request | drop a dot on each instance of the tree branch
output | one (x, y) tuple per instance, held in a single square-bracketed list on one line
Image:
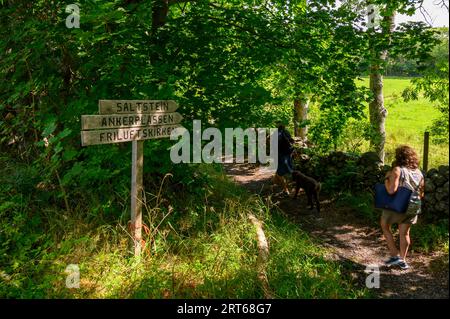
[(426, 15), (249, 31), (442, 4), (171, 2)]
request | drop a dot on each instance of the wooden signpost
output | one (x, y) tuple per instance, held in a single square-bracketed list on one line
[(426, 146), (131, 121)]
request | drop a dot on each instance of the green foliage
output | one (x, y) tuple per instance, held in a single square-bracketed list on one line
[(354, 136), (429, 237), (297, 271), (319, 63), (362, 203), (332, 127), (262, 58), (434, 86), (198, 245), (231, 64)]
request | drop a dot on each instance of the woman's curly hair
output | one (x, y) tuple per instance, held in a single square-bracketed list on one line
[(406, 156)]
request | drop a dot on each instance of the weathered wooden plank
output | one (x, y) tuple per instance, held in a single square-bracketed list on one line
[(90, 122), (126, 134), (137, 168), (263, 256), (136, 106)]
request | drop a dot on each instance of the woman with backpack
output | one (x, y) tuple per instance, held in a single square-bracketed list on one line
[(405, 172)]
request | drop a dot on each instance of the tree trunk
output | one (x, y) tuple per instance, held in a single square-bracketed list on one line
[(301, 106), (159, 14), (377, 111)]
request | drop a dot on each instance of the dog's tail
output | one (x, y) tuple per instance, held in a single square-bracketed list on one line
[(318, 187)]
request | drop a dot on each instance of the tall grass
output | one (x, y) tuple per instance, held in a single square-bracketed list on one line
[(199, 243)]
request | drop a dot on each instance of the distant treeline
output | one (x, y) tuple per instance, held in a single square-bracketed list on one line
[(404, 67)]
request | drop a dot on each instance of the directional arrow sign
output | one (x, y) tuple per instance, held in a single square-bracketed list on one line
[(89, 122), (126, 134), (136, 106)]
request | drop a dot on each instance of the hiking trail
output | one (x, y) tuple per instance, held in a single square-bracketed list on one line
[(352, 241)]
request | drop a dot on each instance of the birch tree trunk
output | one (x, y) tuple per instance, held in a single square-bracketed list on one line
[(301, 106), (377, 111)]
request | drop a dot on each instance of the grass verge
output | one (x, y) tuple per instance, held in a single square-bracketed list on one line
[(198, 244)]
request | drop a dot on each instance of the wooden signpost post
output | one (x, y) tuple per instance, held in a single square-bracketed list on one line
[(131, 121), (426, 146)]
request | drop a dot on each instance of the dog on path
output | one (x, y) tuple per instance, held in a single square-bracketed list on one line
[(311, 187)]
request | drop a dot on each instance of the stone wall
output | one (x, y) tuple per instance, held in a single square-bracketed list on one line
[(339, 170), (436, 193)]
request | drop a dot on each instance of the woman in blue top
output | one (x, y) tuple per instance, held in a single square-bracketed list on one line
[(405, 172), (285, 165)]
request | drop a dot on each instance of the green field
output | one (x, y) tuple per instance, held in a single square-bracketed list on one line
[(407, 121)]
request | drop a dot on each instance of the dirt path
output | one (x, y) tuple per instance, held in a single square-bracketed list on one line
[(353, 242)]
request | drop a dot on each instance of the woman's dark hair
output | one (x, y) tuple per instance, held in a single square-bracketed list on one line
[(406, 156), (280, 125)]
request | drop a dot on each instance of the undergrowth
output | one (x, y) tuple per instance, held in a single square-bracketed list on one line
[(199, 243)]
